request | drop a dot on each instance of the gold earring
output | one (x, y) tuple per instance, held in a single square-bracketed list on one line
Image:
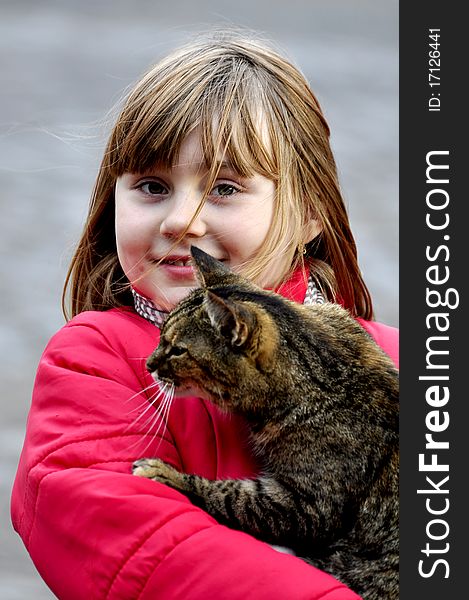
[(301, 249)]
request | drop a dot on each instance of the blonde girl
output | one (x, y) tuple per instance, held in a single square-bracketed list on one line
[(222, 144)]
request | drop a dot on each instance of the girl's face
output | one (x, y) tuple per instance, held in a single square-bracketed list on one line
[(153, 210)]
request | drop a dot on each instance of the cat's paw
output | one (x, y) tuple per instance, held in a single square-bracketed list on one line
[(156, 469)]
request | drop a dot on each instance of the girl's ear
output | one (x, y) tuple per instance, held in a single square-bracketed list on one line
[(312, 229), (209, 270), (232, 320)]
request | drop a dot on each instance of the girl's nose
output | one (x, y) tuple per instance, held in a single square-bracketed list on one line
[(180, 220)]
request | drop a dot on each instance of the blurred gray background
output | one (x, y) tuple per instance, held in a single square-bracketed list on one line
[(64, 64)]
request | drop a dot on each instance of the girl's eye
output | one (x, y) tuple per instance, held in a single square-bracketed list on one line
[(224, 189), (152, 188)]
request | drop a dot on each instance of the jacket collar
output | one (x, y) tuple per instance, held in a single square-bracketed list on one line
[(299, 288), (296, 287)]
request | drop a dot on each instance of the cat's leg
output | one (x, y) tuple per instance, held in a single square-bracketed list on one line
[(262, 506)]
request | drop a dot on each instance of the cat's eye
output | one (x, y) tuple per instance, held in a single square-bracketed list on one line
[(177, 351)]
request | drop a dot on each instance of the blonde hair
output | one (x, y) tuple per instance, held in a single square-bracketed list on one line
[(254, 109)]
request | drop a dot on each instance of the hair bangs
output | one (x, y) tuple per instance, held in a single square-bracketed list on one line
[(239, 134), (224, 100), (150, 139)]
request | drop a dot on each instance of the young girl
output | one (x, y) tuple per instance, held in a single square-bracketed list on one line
[(222, 145)]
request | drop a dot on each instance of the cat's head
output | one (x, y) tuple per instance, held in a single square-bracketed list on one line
[(219, 342)]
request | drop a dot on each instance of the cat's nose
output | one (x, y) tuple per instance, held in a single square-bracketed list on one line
[(152, 363)]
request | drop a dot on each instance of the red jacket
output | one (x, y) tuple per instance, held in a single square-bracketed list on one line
[(95, 531)]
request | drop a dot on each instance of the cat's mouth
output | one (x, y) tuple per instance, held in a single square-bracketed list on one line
[(192, 391), (187, 390), (161, 379)]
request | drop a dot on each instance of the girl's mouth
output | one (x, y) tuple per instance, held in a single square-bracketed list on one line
[(178, 268), (183, 261), (179, 261)]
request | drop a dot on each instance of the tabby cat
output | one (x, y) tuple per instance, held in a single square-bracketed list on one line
[(321, 399)]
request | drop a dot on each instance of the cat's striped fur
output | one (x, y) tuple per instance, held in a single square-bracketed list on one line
[(321, 399)]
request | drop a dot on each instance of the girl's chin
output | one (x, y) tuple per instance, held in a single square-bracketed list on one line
[(171, 298)]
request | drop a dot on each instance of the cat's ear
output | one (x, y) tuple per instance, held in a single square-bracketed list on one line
[(234, 321), (209, 270)]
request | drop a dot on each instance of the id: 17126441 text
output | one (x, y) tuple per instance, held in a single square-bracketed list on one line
[(434, 67)]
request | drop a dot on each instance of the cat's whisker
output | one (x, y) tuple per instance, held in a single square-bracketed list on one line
[(165, 418), (150, 402), (163, 410), (143, 391), (153, 418), (159, 409), (140, 406), (165, 397), (162, 416)]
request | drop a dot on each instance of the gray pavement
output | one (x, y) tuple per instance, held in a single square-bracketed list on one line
[(64, 64)]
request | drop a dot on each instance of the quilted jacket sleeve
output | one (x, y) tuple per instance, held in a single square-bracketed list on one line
[(385, 336), (95, 531)]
